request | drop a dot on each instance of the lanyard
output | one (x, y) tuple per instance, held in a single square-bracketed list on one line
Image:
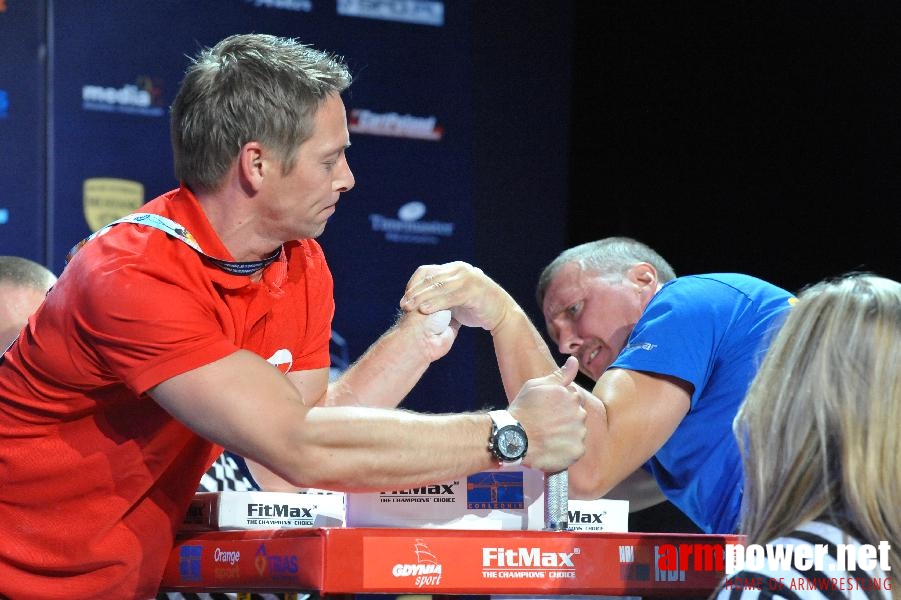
[(177, 231)]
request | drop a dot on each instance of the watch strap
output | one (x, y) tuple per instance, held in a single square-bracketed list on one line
[(502, 418)]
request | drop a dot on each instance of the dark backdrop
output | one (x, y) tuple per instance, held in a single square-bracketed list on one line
[(740, 136)]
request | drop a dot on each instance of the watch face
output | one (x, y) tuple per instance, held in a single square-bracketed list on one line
[(511, 443)]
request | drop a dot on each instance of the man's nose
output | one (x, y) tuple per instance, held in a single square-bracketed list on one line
[(568, 341), (345, 181)]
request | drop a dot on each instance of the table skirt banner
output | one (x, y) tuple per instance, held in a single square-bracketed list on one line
[(447, 561)]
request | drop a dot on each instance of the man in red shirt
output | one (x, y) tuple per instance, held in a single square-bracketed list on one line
[(203, 322)]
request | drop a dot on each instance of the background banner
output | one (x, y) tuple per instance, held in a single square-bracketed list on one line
[(423, 113)]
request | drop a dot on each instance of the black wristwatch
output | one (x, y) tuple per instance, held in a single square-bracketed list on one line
[(508, 441)]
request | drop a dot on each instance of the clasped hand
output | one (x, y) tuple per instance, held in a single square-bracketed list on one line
[(550, 410), (475, 299)]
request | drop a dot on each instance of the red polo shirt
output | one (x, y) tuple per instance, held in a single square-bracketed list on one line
[(95, 477)]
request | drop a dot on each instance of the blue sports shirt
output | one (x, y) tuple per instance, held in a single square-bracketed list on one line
[(711, 331)]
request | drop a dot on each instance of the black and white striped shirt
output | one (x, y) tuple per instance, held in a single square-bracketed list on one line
[(779, 580)]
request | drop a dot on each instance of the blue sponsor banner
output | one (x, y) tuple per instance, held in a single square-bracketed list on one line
[(410, 122), (23, 202), (423, 125), (114, 77)]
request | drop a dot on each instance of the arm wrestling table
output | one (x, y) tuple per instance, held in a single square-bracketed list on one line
[(446, 561)]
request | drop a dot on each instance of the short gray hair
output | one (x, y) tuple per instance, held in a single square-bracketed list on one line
[(607, 256), (26, 273)]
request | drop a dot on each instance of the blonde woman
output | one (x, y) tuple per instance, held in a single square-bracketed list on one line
[(819, 438)]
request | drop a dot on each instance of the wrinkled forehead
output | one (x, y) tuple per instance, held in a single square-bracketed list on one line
[(569, 283), (573, 284)]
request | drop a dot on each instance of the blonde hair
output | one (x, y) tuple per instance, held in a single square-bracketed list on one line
[(819, 427)]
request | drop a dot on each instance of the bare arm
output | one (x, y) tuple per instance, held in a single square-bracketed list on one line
[(478, 301), (244, 404), (389, 369), (630, 416), (382, 377)]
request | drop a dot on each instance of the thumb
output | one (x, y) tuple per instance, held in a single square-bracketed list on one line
[(567, 372)]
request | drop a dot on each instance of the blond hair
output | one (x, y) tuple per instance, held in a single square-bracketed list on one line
[(819, 427)]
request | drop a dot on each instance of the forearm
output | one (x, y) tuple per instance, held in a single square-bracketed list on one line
[(380, 378), (592, 475), (520, 350), (386, 372), (267, 480), (630, 416), (362, 449)]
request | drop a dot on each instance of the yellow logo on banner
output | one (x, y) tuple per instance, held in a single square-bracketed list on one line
[(107, 199)]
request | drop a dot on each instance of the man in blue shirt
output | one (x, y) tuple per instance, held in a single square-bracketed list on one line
[(672, 358)]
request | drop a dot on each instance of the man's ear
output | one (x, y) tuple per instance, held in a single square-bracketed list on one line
[(643, 275), (251, 164)]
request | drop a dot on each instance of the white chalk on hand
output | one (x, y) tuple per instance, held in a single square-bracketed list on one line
[(437, 322)]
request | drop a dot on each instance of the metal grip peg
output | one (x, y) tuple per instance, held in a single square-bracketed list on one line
[(556, 501)]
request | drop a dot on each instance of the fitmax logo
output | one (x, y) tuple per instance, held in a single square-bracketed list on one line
[(279, 510), (526, 557), (577, 516), (430, 490)]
